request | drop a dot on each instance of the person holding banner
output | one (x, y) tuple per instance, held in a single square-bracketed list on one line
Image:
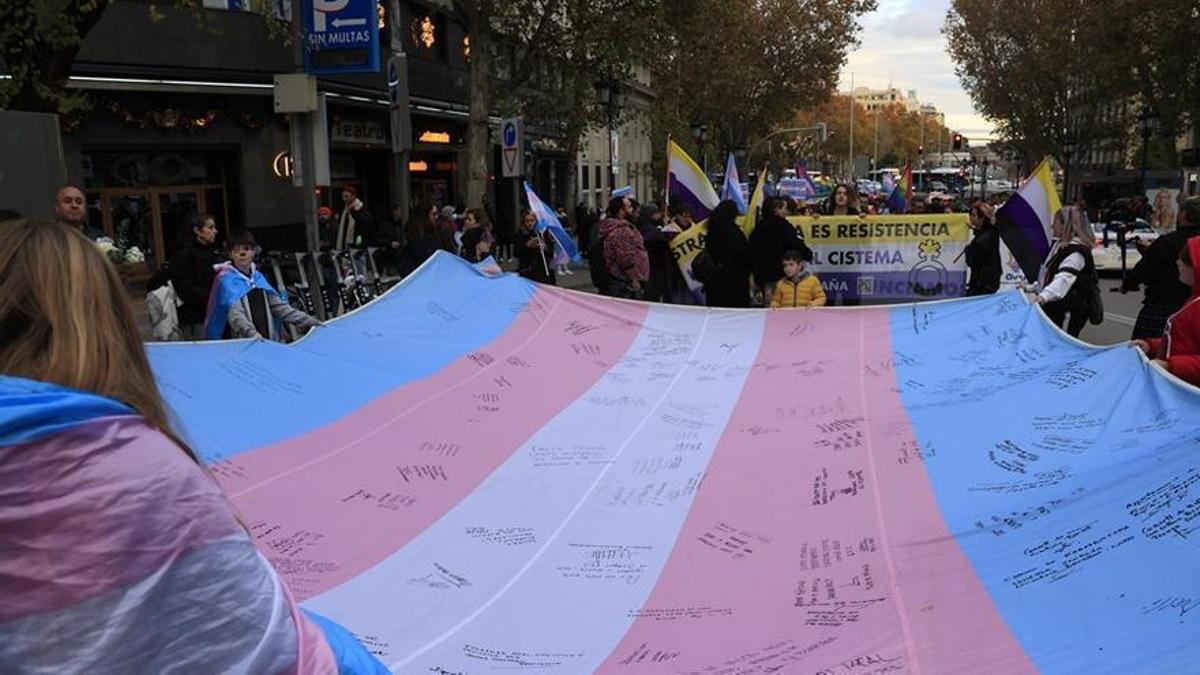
[(983, 253), (730, 253), (534, 251), (772, 237), (842, 202), (1068, 271), (1178, 350)]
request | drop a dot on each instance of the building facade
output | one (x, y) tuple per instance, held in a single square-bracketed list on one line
[(182, 120), (878, 99), (630, 143)]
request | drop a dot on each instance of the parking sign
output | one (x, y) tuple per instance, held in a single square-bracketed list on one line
[(341, 36)]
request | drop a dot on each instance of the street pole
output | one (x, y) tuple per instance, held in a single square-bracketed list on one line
[(400, 114), (851, 157), (875, 152), (304, 123), (612, 174), (1145, 156)]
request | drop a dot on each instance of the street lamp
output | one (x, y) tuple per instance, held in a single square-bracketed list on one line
[(609, 95), (1148, 123), (1069, 154)]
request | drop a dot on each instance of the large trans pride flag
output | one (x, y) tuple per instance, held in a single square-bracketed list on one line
[(481, 475)]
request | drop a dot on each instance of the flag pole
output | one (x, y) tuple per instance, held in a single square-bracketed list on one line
[(542, 250), (667, 183)]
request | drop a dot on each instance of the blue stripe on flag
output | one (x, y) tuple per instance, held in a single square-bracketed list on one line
[(548, 220)]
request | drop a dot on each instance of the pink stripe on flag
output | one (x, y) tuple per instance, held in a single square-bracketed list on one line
[(375, 479), (789, 558), (95, 508)]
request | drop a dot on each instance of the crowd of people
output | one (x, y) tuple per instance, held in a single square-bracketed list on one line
[(71, 356), (221, 293)]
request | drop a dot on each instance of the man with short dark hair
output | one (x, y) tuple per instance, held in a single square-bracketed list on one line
[(1165, 293), (70, 208)]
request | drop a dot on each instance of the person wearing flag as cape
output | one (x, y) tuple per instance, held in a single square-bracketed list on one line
[(243, 304)]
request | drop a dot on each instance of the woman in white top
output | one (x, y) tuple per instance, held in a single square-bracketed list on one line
[(1068, 272)]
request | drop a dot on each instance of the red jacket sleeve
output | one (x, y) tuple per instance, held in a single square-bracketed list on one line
[(1186, 368)]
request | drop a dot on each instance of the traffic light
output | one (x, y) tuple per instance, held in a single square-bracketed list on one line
[(958, 141), (921, 150)]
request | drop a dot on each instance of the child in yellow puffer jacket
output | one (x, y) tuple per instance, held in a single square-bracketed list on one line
[(798, 287)]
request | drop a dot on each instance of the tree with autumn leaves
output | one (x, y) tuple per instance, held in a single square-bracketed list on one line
[(892, 134)]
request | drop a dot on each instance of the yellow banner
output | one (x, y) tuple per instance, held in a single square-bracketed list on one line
[(685, 247), (914, 229), (872, 258)]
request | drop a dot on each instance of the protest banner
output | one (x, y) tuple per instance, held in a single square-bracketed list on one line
[(882, 259), (871, 260)]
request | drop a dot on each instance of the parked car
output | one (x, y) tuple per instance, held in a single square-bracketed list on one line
[(1108, 257)]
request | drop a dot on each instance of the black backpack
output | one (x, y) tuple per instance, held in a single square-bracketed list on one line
[(597, 265), (704, 268), (1087, 285)]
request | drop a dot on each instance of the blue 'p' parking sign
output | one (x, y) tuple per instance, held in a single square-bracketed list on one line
[(341, 36)]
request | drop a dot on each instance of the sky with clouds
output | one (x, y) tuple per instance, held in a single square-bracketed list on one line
[(902, 43)]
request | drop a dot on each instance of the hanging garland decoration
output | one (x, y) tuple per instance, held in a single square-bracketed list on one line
[(251, 120), (70, 123), (165, 118), (171, 117)]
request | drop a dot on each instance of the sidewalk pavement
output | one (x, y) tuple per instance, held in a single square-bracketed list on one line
[(581, 280)]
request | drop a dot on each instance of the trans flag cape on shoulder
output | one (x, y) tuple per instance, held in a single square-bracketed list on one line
[(229, 287), (482, 475), (118, 554)]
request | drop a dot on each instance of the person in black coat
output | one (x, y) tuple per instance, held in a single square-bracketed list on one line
[(420, 238), (1165, 293), (772, 237), (192, 274), (983, 253), (534, 251), (389, 239), (730, 252), (658, 248)]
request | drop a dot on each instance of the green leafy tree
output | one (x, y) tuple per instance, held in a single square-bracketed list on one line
[(1152, 43), (1041, 72), (742, 67)]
